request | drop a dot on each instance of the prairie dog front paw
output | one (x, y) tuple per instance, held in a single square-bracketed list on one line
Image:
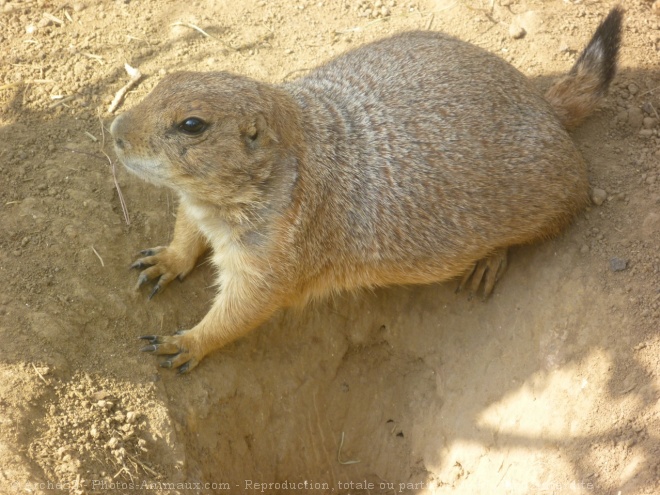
[(164, 264), (174, 261)]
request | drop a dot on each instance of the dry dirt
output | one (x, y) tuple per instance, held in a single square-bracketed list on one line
[(551, 386)]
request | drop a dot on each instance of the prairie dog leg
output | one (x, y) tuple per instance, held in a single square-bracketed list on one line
[(489, 270), (176, 260), (239, 307)]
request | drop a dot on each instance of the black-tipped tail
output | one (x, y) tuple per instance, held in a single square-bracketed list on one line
[(601, 54), (575, 96)]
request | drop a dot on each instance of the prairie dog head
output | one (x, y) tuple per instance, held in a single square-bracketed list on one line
[(215, 137)]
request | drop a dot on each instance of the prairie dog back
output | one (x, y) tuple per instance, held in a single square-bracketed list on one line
[(426, 128)]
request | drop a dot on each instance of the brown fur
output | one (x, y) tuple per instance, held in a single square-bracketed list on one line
[(414, 159), (571, 107)]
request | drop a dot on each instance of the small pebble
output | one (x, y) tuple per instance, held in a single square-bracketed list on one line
[(598, 196), (584, 249), (649, 122), (618, 264), (516, 31), (633, 89)]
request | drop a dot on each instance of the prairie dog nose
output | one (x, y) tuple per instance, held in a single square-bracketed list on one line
[(116, 131)]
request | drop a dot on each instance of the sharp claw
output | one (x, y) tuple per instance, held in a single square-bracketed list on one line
[(137, 265), (149, 348), (180, 332), (166, 364), (142, 279), (155, 291), (147, 252), (183, 368), (153, 339)]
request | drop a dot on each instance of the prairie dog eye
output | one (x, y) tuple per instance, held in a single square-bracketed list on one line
[(193, 126)]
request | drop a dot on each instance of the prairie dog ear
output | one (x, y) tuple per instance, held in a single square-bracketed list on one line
[(256, 133)]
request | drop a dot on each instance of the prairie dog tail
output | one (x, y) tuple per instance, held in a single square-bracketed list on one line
[(577, 94)]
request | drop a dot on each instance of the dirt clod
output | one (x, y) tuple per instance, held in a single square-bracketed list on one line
[(635, 117)]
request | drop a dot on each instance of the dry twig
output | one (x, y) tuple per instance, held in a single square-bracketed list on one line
[(124, 208), (135, 76), (61, 101), (142, 465), (341, 444), (192, 26), (52, 18), (40, 375), (98, 256)]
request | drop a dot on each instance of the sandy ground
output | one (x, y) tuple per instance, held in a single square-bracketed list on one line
[(551, 386)]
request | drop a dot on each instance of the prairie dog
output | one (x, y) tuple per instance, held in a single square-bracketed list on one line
[(411, 160)]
